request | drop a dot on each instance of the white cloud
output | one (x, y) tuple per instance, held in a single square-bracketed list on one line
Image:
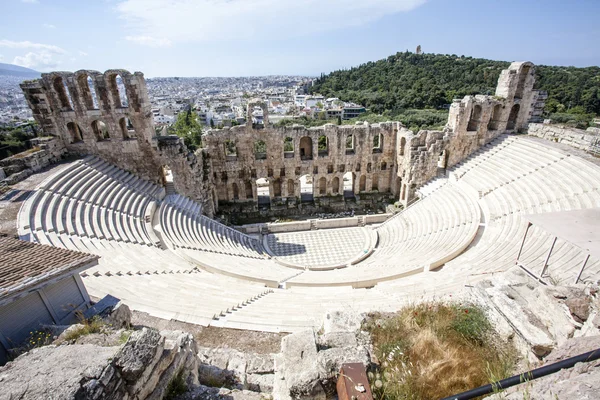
[(30, 45), (49, 26), (204, 20), (83, 53), (149, 41), (1, 57), (30, 1), (43, 60)]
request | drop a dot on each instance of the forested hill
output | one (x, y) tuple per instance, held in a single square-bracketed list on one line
[(407, 80)]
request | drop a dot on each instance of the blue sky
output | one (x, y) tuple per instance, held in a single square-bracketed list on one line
[(305, 37)]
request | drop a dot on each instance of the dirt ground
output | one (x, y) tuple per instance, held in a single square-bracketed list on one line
[(241, 340)]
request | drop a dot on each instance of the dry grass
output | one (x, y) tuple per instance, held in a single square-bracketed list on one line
[(88, 326), (27, 152), (433, 350)]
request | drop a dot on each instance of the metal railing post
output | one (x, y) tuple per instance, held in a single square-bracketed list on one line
[(548, 257), (526, 377), (523, 242), (582, 268)]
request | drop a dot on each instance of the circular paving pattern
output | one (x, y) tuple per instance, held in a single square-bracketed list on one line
[(322, 249)]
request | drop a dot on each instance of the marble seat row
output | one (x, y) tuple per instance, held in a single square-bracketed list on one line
[(75, 178), (119, 258), (196, 298), (300, 308), (444, 209), (90, 198), (464, 229), (185, 227)]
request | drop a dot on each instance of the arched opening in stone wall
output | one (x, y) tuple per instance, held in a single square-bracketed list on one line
[(306, 147), (475, 118), (512, 117), (260, 150), (348, 184), (88, 91), (263, 192), (323, 146), (127, 130), (64, 97), (522, 80), (378, 143), (443, 159), (362, 183), (398, 186), (350, 144), (235, 190), (383, 165), (494, 123), (369, 167), (74, 132), (402, 146), (230, 150), (288, 147), (277, 187), (306, 188), (375, 182), (117, 90), (166, 177), (291, 187), (322, 186), (100, 130), (335, 185), (248, 190)]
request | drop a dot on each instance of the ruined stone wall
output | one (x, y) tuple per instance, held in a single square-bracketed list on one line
[(472, 122), (45, 151), (235, 174), (87, 113), (588, 140), (96, 119)]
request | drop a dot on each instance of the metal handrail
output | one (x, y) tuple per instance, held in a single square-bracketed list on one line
[(526, 377)]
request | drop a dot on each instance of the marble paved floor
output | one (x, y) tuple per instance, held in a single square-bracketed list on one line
[(326, 247)]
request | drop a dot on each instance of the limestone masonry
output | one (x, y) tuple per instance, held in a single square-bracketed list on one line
[(377, 160)]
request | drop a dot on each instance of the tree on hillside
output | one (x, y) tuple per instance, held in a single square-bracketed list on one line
[(187, 127), (408, 80)]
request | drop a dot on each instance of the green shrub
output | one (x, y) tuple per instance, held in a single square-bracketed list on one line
[(176, 386)]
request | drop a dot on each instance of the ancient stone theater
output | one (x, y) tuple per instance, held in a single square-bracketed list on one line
[(470, 201)]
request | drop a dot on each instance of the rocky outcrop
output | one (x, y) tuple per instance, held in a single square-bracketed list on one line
[(582, 382), (309, 362), (141, 369), (225, 367), (537, 317)]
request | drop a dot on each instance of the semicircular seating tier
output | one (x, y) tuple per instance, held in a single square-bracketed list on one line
[(161, 256), (422, 237), (514, 177)]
